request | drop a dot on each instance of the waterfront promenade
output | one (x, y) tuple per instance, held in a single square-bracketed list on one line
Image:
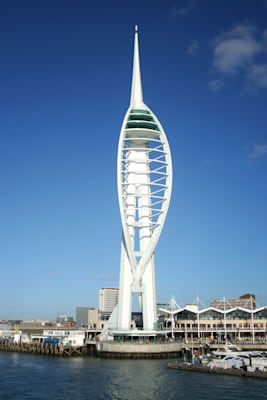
[(164, 349)]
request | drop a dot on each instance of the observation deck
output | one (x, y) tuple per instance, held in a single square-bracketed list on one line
[(141, 126)]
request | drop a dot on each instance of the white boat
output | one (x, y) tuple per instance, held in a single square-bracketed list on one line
[(258, 361), (233, 357), (229, 361)]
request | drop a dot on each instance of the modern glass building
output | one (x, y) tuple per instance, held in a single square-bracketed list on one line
[(210, 324)]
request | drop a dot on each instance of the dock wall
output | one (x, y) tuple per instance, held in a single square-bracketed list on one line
[(138, 350)]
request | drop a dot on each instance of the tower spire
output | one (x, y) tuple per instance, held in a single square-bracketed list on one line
[(136, 91)]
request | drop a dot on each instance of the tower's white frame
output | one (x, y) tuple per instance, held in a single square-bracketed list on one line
[(144, 177)]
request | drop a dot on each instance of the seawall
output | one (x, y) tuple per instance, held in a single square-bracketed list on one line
[(138, 350)]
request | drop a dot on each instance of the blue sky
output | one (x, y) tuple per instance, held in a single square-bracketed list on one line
[(65, 77)]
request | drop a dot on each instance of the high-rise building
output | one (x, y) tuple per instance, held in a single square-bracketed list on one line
[(107, 301), (144, 177)]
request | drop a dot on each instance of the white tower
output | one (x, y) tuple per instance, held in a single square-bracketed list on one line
[(144, 189)]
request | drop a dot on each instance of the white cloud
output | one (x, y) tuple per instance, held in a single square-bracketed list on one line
[(193, 47), (181, 11), (110, 278), (257, 74), (240, 51), (235, 49), (259, 150), (216, 84)]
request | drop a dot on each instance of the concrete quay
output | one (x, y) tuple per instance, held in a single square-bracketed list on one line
[(138, 350)]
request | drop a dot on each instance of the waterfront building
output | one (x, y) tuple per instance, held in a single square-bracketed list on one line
[(218, 324), (144, 177), (86, 317), (107, 301)]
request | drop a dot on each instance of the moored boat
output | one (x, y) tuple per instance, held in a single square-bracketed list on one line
[(233, 357)]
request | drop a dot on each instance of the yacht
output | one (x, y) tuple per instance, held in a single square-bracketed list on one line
[(230, 356)]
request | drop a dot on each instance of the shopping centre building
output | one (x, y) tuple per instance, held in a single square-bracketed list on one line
[(231, 319)]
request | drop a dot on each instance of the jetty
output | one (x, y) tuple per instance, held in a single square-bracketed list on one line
[(240, 372), (47, 349)]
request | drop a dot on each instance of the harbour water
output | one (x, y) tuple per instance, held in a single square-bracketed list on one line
[(34, 377)]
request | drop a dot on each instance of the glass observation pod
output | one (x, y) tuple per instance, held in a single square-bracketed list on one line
[(141, 126)]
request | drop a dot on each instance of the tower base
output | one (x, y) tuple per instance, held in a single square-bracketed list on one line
[(137, 344)]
